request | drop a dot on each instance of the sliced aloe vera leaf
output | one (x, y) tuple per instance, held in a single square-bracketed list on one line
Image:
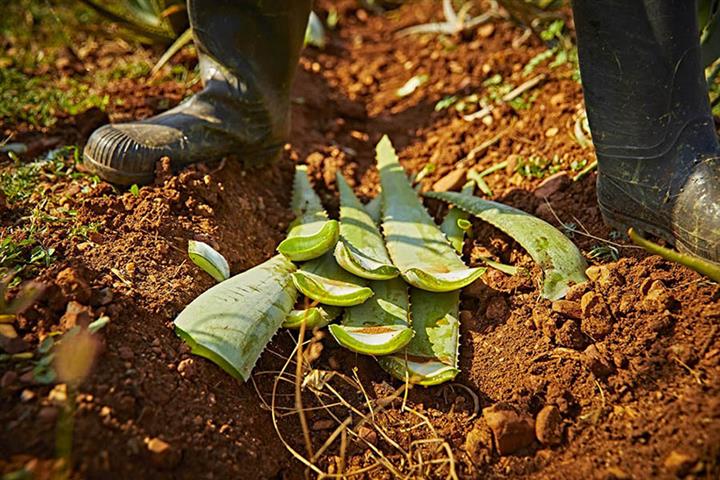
[(415, 243), (430, 358), (231, 323), (560, 259), (452, 225), (323, 280), (209, 259), (379, 326), (314, 317), (311, 233), (361, 248)]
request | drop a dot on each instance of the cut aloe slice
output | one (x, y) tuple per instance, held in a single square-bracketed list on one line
[(314, 317), (454, 221), (231, 323), (323, 280), (431, 356), (311, 233), (361, 248), (416, 245), (560, 259), (379, 326)]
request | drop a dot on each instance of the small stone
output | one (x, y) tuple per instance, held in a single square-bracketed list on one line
[(368, 434), (486, 30), (596, 361), (658, 298), (8, 380), (479, 443), (27, 395), (548, 426), (162, 454), (513, 430), (322, 424), (126, 353), (451, 181), (679, 463), (73, 286), (576, 291), (615, 473), (597, 322), (567, 308), (75, 315), (186, 367), (551, 132), (569, 335), (552, 184), (225, 428)]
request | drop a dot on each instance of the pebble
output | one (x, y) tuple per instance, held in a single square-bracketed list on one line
[(322, 424), (486, 30), (512, 430), (186, 367), (596, 361), (658, 298), (576, 291), (548, 426), (597, 322), (162, 454), (73, 286), (27, 395), (551, 132), (76, 314), (567, 308), (552, 184), (451, 181), (569, 335), (368, 434)]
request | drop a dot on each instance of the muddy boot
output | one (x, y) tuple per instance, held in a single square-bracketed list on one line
[(248, 51), (651, 123)]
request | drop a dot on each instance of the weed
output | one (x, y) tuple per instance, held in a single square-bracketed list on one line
[(605, 253), (537, 166)]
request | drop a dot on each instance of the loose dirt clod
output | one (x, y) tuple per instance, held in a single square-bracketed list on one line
[(548, 425), (451, 181), (567, 308), (479, 443), (512, 429)]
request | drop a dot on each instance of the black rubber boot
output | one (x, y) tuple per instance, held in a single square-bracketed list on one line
[(248, 52), (648, 109)]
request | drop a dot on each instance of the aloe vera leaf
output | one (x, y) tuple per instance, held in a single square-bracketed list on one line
[(430, 358), (416, 245), (374, 209), (231, 323), (451, 226), (210, 260), (361, 248), (312, 233), (314, 317), (379, 326), (560, 259), (322, 279)]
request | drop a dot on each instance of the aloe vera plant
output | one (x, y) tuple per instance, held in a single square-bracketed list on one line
[(416, 245), (232, 322), (325, 281), (361, 248), (455, 224), (313, 317), (379, 326), (560, 259), (430, 358), (312, 233)]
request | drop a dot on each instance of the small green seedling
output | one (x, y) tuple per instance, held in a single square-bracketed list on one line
[(323, 280), (431, 356), (416, 245), (313, 317), (312, 233), (232, 322), (560, 259), (381, 325), (209, 259), (361, 248)]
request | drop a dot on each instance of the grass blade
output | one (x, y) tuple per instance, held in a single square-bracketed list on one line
[(560, 259), (311, 234), (325, 281), (231, 323), (314, 317), (209, 259), (416, 245), (379, 326), (431, 356), (361, 249)]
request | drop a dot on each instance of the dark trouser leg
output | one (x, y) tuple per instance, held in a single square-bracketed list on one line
[(248, 51), (647, 105)]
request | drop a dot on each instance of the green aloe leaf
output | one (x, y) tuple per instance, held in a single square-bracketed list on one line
[(379, 326), (361, 248), (374, 209), (325, 281), (313, 317), (231, 323), (560, 259), (431, 356), (209, 259), (312, 233), (455, 220), (416, 245)]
